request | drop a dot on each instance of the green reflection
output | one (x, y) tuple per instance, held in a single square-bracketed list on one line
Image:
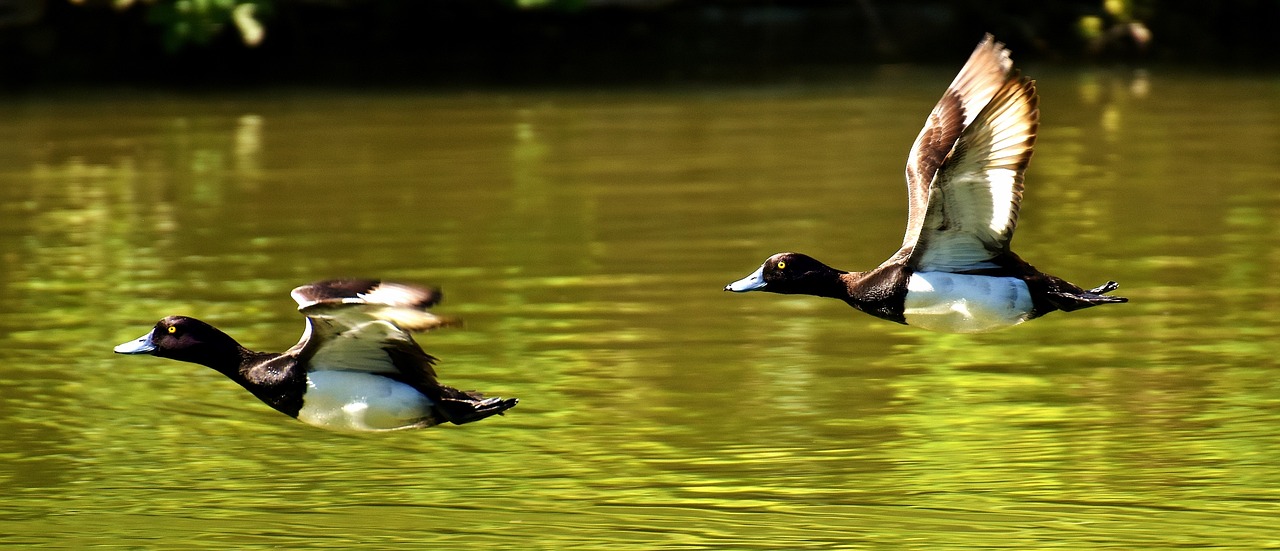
[(584, 239)]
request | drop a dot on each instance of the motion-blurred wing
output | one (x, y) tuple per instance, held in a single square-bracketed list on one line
[(364, 325)]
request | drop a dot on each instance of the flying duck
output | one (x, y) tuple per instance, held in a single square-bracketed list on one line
[(356, 368), (955, 272)]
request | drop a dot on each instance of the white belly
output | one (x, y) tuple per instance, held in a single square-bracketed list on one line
[(354, 401), (955, 303)]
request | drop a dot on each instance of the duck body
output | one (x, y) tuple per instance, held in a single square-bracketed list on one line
[(963, 303), (955, 271), (356, 368), (354, 401), (948, 302)]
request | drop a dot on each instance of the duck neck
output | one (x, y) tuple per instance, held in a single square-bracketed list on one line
[(226, 361), (269, 376), (832, 283), (879, 292), (218, 351)]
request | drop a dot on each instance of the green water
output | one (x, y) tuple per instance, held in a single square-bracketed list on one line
[(585, 237)]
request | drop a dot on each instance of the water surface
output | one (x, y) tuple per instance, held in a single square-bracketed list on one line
[(585, 237)]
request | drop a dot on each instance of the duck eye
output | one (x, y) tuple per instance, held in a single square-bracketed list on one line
[(782, 264), (172, 329)]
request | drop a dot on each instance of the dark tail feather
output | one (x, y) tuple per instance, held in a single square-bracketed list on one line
[(459, 407), (1069, 301)]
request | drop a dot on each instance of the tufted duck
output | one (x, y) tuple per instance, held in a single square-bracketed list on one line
[(356, 367), (955, 271)]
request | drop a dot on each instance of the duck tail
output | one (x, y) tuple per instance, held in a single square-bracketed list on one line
[(1078, 299), (459, 406)]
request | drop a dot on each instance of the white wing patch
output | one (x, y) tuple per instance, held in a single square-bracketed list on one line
[(391, 294), (1003, 183)]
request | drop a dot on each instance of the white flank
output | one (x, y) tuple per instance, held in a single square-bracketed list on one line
[(357, 402), (956, 303)]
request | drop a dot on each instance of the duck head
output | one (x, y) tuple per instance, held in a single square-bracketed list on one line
[(184, 339), (788, 273)]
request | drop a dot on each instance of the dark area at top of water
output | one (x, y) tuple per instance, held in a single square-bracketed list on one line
[(467, 43)]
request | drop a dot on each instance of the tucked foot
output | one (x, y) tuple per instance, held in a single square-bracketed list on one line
[(1105, 288), (459, 407), (1070, 301)]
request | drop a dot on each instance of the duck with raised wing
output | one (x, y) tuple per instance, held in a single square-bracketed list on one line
[(356, 368), (955, 272)]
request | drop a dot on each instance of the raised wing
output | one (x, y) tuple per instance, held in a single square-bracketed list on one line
[(988, 67), (965, 172), (403, 305), (366, 291), (364, 325)]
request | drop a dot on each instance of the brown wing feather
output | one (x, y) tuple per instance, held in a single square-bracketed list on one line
[(988, 66), (932, 146), (975, 196)]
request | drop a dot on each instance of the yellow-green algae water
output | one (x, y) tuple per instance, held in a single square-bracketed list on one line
[(585, 237)]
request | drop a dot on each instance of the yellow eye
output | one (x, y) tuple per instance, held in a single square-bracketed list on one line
[(172, 329), (782, 264)]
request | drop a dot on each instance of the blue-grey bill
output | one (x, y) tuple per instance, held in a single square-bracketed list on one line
[(142, 345), (752, 282)]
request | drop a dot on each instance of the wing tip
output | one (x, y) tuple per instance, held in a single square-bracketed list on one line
[(417, 321), (401, 304), (367, 291), (1002, 54)]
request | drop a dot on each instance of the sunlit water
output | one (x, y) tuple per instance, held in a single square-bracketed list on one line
[(585, 238)]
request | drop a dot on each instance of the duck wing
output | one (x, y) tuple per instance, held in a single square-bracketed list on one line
[(365, 325), (965, 170)]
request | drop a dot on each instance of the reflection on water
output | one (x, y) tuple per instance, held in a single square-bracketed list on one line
[(584, 238)]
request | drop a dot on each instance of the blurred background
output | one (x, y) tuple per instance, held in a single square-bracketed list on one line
[(453, 42), (582, 178)]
